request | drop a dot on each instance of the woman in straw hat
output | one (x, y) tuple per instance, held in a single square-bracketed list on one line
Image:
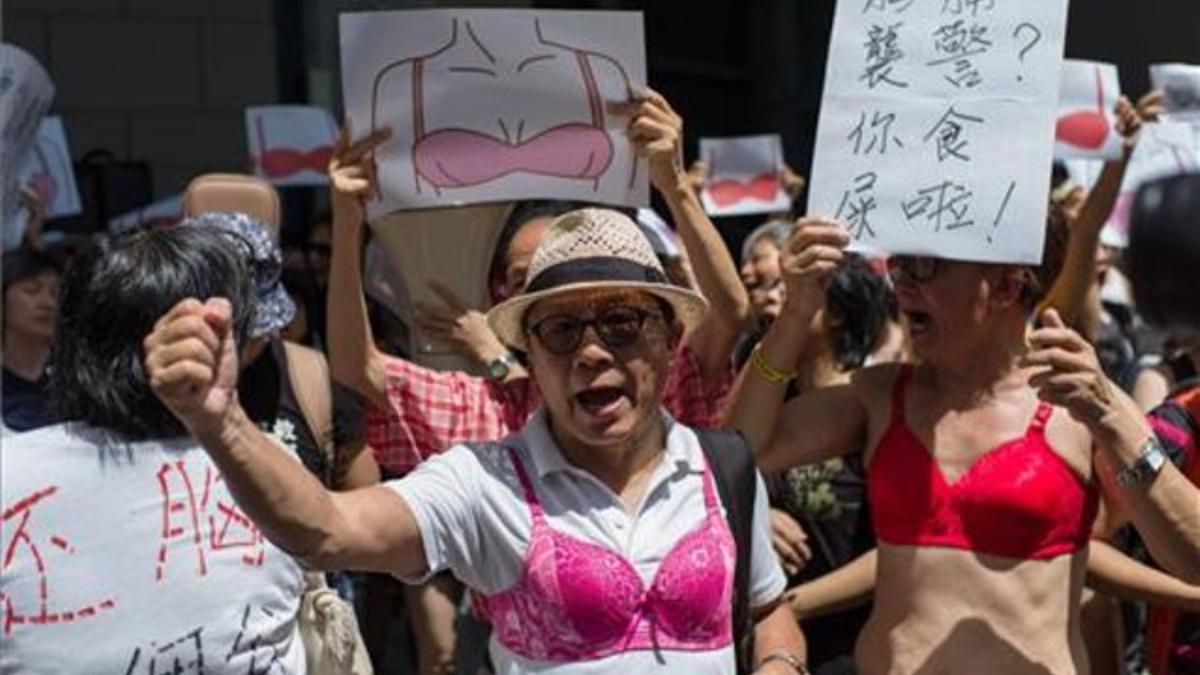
[(596, 534)]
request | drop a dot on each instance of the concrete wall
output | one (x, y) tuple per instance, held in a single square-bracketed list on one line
[(158, 80)]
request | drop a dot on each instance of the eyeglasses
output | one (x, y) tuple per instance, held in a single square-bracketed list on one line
[(917, 269), (617, 327)]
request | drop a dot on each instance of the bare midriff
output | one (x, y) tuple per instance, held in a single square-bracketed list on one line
[(946, 610)]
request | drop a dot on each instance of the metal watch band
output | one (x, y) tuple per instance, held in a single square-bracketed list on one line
[(1150, 461)]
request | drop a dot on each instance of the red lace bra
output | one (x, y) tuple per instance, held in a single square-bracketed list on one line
[(1019, 500)]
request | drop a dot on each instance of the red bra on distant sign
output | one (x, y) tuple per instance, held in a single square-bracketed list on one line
[(1086, 129), (762, 187), (280, 162)]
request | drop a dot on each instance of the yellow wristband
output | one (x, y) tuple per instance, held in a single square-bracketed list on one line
[(770, 373)]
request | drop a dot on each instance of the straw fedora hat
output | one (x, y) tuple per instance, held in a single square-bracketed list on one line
[(592, 249)]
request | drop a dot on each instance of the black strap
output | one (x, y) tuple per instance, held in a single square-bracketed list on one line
[(729, 455)]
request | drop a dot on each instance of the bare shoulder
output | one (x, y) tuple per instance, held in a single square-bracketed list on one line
[(874, 385)]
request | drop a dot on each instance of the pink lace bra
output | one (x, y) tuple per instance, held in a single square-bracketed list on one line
[(453, 157), (578, 601)]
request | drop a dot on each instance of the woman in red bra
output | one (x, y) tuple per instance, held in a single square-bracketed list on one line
[(982, 493)]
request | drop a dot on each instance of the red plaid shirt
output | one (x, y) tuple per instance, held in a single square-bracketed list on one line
[(429, 411)]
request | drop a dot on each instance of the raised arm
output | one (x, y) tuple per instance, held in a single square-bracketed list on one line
[(657, 132), (1165, 509), (191, 363), (1070, 292), (354, 360), (800, 431)]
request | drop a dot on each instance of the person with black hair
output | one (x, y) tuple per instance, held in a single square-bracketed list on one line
[(126, 546), (31, 281), (820, 518)]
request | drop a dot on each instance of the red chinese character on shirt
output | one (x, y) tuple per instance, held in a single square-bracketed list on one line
[(20, 539), (189, 505)]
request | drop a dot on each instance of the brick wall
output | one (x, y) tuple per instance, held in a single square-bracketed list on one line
[(164, 81)]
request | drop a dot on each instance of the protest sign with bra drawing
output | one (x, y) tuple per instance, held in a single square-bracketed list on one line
[(744, 175), (489, 105), (290, 144), (937, 126), (1086, 126)]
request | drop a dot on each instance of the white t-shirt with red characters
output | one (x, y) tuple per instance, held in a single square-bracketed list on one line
[(120, 557)]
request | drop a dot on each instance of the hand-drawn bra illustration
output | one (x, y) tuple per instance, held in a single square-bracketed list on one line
[(282, 161), (1087, 129), (453, 156), (763, 186)]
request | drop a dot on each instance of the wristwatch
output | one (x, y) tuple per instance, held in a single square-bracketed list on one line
[(1151, 459), (500, 366)]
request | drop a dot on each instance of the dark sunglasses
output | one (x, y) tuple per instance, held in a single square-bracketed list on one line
[(617, 327), (917, 269)]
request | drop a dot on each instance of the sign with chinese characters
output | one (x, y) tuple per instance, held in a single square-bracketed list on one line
[(291, 144), (743, 175), (490, 105), (936, 134), (1086, 126)]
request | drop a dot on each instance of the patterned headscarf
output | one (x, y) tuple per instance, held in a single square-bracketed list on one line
[(275, 309)]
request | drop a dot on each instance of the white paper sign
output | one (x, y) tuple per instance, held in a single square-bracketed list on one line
[(1180, 84), (25, 95), (743, 175), (161, 213), (47, 170), (1086, 126), (494, 105), (291, 144), (1163, 149), (937, 126)]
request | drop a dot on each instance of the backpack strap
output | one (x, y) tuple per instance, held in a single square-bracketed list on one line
[(733, 467), (308, 373)]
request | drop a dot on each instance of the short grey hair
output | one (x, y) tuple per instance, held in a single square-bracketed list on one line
[(778, 231)]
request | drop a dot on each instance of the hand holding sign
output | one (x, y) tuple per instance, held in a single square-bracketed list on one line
[(936, 126), (491, 105)]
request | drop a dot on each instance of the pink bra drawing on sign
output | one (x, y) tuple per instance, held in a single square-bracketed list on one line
[(1086, 129), (454, 157), (576, 600)]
